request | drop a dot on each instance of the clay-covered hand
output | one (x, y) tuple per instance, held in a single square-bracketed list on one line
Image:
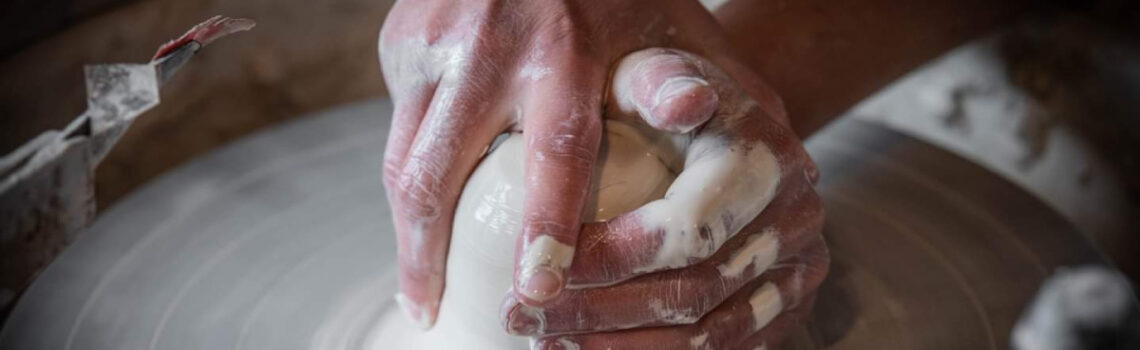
[(733, 254), (461, 72)]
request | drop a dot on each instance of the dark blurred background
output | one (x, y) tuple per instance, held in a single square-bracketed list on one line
[(302, 57)]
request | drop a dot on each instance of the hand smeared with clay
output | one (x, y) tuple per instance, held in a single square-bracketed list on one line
[(729, 257)]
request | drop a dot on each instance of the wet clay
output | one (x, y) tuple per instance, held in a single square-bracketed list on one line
[(487, 223)]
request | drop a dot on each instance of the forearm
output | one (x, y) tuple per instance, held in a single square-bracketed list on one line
[(824, 56)]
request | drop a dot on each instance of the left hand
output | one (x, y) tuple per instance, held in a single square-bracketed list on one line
[(730, 258)]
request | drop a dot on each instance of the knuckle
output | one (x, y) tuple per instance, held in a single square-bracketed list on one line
[(570, 147), (711, 289), (816, 204), (534, 224), (821, 263), (415, 271), (388, 34), (811, 211), (811, 172), (561, 29), (820, 258), (391, 173), (684, 300), (421, 190), (566, 149)]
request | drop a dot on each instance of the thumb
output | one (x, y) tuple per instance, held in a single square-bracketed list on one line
[(667, 88)]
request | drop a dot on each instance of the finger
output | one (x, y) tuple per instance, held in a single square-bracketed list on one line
[(732, 171), (407, 114), (670, 90), (744, 314), (771, 335), (411, 87), (666, 298), (459, 123), (562, 126), (733, 167), (605, 250), (666, 88)]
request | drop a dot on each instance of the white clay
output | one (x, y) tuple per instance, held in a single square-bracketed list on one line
[(487, 220), (746, 178), (759, 252), (766, 304), (700, 341)]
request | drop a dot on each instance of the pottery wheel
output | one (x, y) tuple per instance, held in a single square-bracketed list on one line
[(283, 241)]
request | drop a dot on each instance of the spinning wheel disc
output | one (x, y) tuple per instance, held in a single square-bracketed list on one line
[(283, 241)]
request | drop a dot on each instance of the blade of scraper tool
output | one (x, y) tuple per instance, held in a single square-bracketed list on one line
[(205, 33)]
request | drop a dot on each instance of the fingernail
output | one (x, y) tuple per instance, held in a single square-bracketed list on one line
[(413, 312), (682, 104), (541, 266), (523, 321), (677, 86), (543, 284)]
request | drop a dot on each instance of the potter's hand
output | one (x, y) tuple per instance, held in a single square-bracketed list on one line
[(732, 255), (461, 72)]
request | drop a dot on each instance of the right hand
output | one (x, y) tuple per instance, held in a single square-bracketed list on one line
[(730, 258)]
